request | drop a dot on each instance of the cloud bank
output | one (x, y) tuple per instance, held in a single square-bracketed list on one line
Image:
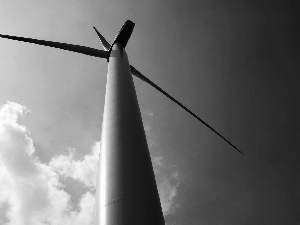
[(32, 192)]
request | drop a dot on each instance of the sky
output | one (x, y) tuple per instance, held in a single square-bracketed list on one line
[(233, 63)]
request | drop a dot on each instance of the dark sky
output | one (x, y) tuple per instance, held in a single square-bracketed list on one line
[(236, 64), (233, 63)]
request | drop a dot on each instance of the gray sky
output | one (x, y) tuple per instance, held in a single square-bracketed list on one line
[(233, 63)]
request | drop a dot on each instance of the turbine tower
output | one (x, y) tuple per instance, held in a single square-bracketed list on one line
[(126, 191)]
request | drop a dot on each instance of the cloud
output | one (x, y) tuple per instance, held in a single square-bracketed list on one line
[(167, 183), (32, 192), (167, 178), (82, 170)]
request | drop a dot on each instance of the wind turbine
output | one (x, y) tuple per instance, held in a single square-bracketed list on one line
[(126, 190)]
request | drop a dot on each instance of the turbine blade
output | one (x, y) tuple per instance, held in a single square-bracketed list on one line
[(64, 46), (136, 73), (105, 44)]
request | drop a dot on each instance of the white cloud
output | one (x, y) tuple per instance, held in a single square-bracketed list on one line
[(82, 170), (167, 183), (167, 178), (30, 189), (32, 192)]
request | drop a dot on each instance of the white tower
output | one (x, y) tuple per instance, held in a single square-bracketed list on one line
[(128, 192)]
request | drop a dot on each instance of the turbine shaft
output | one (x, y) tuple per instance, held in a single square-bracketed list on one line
[(126, 187)]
